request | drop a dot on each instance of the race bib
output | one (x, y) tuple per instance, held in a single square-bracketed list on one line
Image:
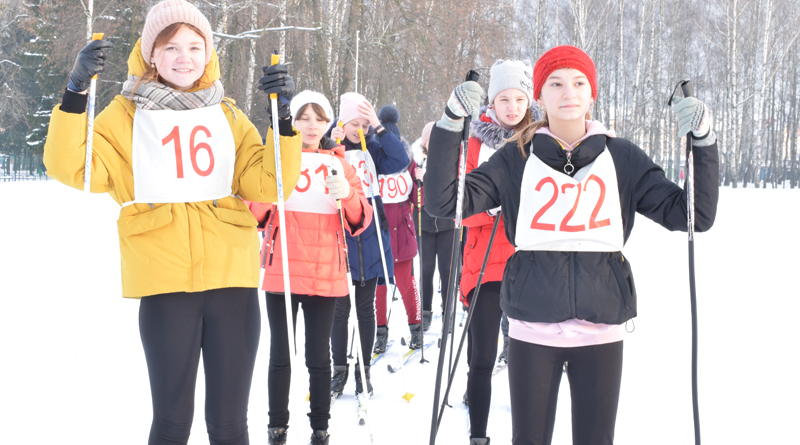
[(182, 156), (362, 163), (310, 194), (485, 153), (561, 213), (396, 187)]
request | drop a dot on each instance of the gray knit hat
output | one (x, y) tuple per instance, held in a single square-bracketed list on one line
[(507, 74)]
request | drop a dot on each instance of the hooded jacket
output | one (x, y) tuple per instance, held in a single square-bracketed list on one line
[(177, 247), (315, 241), (554, 286), (364, 251)]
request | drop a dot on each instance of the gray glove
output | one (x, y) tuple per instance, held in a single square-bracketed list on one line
[(692, 116), (465, 100), (338, 186)]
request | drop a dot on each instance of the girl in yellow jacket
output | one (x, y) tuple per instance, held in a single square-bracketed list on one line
[(179, 157)]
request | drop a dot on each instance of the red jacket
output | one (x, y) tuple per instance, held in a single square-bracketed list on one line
[(315, 242), (480, 229)]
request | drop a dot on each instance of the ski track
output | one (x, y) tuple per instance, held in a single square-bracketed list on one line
[(74, 371)]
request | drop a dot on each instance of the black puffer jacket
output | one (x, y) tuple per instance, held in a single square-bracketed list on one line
[(547, 286)]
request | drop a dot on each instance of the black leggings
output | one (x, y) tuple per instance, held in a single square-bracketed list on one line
[(438, 245), (534, 375), (225, 325), (365, 312), (318, 317), (481, 352)]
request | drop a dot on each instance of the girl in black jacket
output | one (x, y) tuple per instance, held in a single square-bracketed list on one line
[(569, 192)]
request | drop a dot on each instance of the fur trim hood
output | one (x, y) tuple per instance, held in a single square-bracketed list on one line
[(490, 132)]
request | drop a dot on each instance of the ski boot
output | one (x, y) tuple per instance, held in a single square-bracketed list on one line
[(504, 353), (479, 441), (427, 316), (338, 380), (359, 386), (381, 337), (277, 435), (319, 437), (416, 336)]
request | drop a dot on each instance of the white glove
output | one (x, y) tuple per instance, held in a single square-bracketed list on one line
[(338, 186), (692, 116), (493, 212), (466, 99)]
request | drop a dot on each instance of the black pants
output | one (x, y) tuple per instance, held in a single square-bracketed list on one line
[(435, 247), (534, 375), (225, 325), (481, 352), (365, 312), (318, 317)]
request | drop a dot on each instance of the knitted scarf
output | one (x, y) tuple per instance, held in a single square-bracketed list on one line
[(157, 96)]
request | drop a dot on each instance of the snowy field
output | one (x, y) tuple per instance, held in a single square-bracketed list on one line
[(73, 370)]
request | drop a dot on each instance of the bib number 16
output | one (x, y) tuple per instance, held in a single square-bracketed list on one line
[(175, 138)]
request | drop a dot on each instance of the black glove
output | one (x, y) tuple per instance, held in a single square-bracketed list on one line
[(277, 80), (91, 60)]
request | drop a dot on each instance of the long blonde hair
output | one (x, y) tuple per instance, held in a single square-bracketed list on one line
[(523, 136)]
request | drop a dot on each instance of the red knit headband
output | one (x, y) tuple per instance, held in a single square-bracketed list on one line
[(564, 56)]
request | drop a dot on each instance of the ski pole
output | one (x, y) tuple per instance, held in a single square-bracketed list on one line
[(287, 293), (419, 230), (87, 167), (686, 86), (462, 168), (472, 305), (364, 396)]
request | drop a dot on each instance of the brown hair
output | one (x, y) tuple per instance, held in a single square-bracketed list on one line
[(317, 109), (525, 132)]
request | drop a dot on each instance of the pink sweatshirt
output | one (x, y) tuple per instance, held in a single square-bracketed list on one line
[(570, 333)]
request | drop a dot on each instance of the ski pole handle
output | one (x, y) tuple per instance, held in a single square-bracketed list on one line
[(340, 124), (363, 141), (274, 60), (87, 166), (473, 76), (686, 86)]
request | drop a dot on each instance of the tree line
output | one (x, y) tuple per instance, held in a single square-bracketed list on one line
[(743, 57)]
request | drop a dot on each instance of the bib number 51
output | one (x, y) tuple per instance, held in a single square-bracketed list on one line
[(175, 138)]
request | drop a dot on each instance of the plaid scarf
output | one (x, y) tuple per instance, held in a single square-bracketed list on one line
[(157, 96)]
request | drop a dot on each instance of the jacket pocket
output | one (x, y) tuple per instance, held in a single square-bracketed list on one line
[(145, 222), (623, 279), (235, 217)]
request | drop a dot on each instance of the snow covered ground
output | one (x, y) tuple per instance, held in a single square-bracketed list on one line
[(72, 369)]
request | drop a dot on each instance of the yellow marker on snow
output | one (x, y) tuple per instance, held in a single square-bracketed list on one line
[(408, 396), (308, 397)]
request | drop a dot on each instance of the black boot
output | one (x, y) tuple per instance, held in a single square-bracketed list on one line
[(359, 387), (277, 435), (478, 441), (427, 316), (416, 336), (381, 337), (338, 380), (319, 437), (504, 353)]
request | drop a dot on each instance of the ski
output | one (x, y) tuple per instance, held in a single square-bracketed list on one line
[(379, 355), (407, 357), (499, 367)]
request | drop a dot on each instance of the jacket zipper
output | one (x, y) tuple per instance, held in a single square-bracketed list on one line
[(361, 260), (572, 292)]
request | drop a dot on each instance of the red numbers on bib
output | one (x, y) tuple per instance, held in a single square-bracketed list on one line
[(397, 186), (565, 226), (175, 137), (305, 174), (362, 165)]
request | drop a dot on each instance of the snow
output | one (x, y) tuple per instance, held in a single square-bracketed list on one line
[(73, 370)]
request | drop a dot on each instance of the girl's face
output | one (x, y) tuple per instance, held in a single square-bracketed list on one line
[(182, 60), (351, 129), (312, 126), (566, 95), (510, 106)]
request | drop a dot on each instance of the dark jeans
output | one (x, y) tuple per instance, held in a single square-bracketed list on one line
[(534, 375), (318, 317), (365, 312), (223, 324), (481, 353), (435, 246)]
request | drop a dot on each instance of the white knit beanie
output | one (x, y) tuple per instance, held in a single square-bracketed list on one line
[(310, 97), (168, 12), (505, 74)]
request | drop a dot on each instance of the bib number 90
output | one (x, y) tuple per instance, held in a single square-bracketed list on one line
[(175, 138)]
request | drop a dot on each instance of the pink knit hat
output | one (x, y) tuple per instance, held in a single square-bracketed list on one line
[(348, 106), (168, 12)]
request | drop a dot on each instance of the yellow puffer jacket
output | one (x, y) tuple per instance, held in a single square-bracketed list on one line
[(179, 247)]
